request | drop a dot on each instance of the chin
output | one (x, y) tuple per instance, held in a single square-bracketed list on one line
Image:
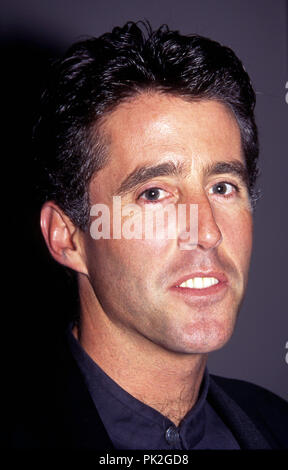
[(203, 338)]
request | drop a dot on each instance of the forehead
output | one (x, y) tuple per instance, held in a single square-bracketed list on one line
[(152, 128)]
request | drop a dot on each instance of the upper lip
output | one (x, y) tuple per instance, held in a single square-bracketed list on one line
[(217, 274)]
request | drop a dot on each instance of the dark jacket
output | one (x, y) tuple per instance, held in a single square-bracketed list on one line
[(59, 413)]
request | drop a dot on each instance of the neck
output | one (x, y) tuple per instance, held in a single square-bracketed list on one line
[(166, 380)]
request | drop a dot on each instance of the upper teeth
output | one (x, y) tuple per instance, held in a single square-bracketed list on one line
[(199, 282)]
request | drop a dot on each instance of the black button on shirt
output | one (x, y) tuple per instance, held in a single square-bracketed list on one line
[(132, 424), (172, 437)]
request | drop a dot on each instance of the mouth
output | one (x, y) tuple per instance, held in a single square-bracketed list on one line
[(201, 284)]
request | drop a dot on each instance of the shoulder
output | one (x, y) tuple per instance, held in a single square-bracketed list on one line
[(248, 393), (54, 410), (267, 410)]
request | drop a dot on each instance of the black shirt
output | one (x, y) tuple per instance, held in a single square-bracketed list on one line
[(132, 424)]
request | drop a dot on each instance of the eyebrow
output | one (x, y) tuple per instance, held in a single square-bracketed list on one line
[(234, 167), (171, 168), (145, 173)]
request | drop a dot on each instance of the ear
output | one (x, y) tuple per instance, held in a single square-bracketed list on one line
[(62, 237)]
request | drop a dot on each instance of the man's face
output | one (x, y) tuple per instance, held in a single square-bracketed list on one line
[(138, 282)]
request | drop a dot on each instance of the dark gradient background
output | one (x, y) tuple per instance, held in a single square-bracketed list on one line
[(37, 298)]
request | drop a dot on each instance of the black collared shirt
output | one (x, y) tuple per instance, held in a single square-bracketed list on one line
[(132, 424)]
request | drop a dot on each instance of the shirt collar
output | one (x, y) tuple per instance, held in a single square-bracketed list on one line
[(131, 423)]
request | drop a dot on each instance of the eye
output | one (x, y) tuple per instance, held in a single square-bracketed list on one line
[(153, 194), (223, 189)]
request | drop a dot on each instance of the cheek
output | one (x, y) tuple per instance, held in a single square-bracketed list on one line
[(124, 274), (118, 259), (237, 232)]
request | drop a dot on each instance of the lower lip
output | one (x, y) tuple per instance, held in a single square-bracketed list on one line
[(208, 292)]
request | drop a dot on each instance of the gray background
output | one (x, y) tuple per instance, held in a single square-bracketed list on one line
[(257, 31)]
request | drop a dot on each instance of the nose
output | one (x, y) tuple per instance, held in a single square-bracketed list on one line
[(209, 233)]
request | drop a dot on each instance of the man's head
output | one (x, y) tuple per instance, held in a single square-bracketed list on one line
[(96, 75), (178, 110)]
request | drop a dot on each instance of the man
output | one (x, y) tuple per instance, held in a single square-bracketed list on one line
[(147, 120)]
